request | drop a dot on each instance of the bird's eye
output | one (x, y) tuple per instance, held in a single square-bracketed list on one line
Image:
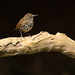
[(30, 16)]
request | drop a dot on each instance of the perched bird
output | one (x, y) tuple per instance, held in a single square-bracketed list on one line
[(26, 23)]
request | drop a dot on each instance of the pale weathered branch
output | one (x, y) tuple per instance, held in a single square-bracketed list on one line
[(37, 43)]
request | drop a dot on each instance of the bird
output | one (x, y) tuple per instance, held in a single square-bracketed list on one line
[(26, 23)]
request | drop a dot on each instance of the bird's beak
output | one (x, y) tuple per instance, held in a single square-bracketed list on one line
[(35, 15)]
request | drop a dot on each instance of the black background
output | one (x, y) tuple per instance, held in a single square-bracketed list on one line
[(54, 16)]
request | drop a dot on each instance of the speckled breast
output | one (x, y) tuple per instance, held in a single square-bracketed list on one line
[(26, 27)]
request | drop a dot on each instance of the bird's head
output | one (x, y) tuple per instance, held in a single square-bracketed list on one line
[(29, 16)]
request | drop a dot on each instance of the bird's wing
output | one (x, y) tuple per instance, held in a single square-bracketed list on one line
[(19, 24)]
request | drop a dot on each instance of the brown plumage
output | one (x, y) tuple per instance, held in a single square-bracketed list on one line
[(26, 23)]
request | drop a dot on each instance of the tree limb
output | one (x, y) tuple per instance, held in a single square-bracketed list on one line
[(37, 43)]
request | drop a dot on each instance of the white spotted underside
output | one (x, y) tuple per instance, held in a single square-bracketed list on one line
[(26, 27)]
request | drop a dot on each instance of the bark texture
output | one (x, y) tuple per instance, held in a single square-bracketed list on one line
[(42, 41)]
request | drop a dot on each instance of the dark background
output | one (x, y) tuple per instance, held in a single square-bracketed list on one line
[(54, 16)]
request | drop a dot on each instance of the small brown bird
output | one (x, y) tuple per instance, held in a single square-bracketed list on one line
[(26, 23)]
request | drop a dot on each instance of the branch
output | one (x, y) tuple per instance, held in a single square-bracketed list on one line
[(37, 43)]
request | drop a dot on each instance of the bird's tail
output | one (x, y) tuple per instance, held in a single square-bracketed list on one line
[(14, 29)]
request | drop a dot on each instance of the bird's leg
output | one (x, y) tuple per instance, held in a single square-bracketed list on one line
[(29, 34), (21, 34)]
